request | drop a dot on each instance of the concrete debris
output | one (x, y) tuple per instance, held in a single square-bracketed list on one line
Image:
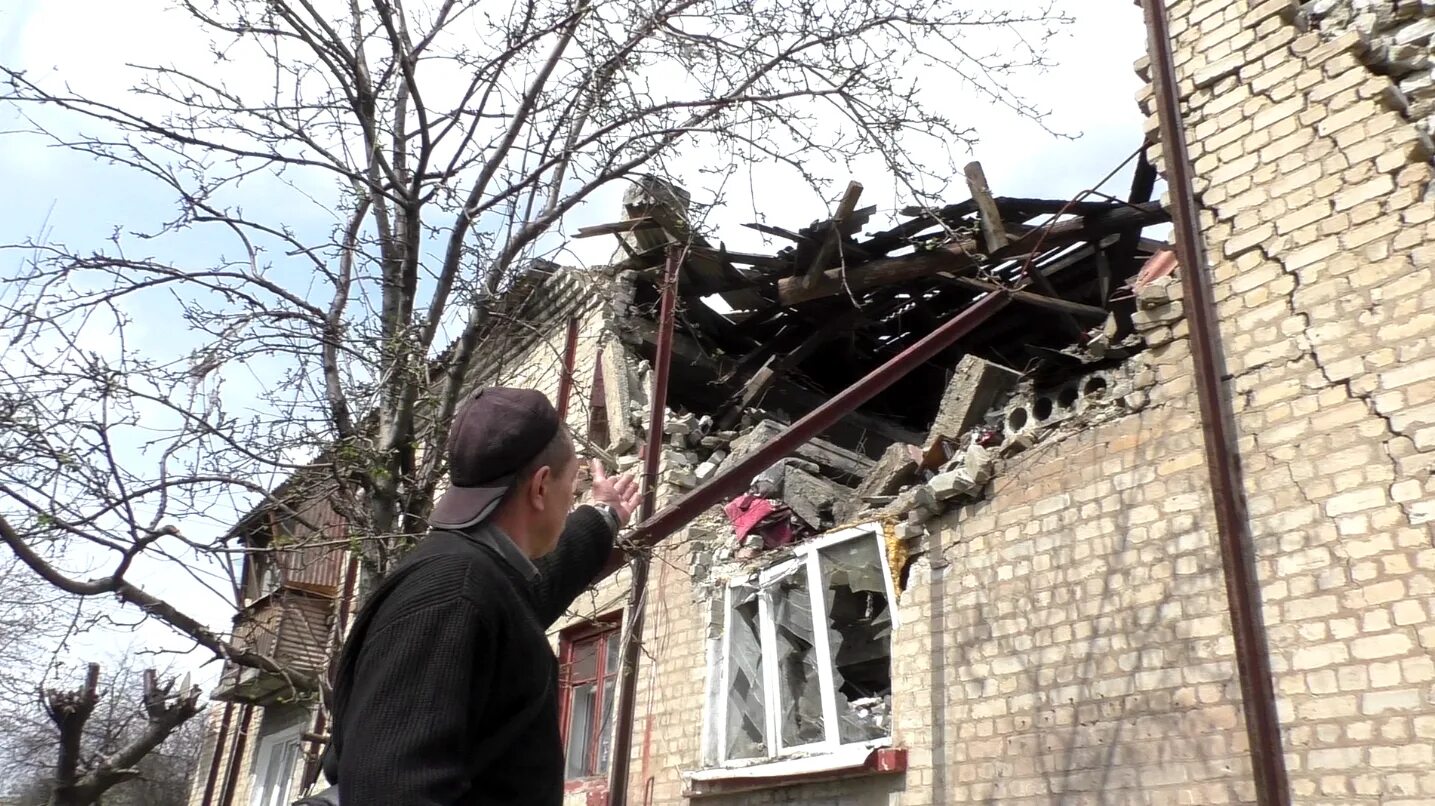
[(681, 426), (896, 469), (1098, 344), (973, 389), (952, 483), (770, 482), (811, 496), (681, 477), (1154, 295), (834, 461), (1018, 443), (978, 462), (1150, 318)]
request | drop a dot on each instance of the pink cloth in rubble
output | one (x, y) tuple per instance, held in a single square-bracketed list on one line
[(747, 513)]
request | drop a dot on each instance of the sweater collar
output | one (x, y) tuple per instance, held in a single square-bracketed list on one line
[(500, 542)]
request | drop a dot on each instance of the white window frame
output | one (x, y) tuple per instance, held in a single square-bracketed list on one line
[(806, 559), (292, 738)]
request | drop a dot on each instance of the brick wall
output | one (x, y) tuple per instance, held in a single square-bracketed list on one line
[(1315, 194), (1066, 639), (240, 794)]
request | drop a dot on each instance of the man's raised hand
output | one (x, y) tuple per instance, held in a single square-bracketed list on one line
[(621, 493)]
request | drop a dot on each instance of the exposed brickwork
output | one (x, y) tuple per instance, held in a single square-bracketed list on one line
[(1065, 639), (1318, 224)]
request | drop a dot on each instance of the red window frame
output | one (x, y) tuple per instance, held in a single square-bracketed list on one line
[(600, 634), (598, 405)]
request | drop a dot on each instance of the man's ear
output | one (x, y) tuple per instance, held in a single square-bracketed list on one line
[(538, 487)]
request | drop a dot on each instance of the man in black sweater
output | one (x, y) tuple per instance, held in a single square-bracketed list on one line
[(447, 688)]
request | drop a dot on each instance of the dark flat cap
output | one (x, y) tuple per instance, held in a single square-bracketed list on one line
[(494, 434)]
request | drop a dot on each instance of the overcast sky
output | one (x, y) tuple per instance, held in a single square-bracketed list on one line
[(1090, 94)]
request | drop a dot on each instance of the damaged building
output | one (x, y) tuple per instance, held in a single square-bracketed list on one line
[(993, 568)]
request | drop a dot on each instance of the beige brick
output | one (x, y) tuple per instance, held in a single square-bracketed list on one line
[(1376, 703), (1373, 189), (1357, 501), (1410, 373), (1381, 646)]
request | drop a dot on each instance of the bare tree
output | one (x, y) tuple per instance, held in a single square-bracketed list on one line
[(438, 146), (70, 746)]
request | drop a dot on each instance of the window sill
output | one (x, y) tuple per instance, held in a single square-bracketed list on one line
[(851, 762), (594, 790)]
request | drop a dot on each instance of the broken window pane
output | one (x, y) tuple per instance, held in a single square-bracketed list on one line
[(746, 714), (580, 728), (605, 736), (859, 637), (799, 687)]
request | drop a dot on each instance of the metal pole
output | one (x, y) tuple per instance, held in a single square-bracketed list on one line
[(1223, 460), (626, 710), (236, 756), (736, 478), (217, 757), (570, 358)]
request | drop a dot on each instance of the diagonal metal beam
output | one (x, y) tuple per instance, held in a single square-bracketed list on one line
[(736, 478)]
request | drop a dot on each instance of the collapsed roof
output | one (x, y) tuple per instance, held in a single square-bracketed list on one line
[(795, 327)]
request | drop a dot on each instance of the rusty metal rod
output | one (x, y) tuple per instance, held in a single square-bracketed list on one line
[(626, 707), (216, 759), (570, 358), (735, 479), (236, 756), (1223, 459)]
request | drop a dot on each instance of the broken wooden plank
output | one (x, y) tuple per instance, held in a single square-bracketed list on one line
[(1011, 205), (617, 227), (743, 258), (1089, 228), (993, 231), (1052, 303), (1152, 245), (778, 365), (950, 258), (768, 229), (965, 254), (1048, 291), (845, 208)]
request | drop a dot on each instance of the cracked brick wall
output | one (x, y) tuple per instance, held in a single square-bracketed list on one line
[(1065, 639), (1314, 183)]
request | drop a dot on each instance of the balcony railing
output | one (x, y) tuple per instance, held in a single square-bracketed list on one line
[(290, 626)]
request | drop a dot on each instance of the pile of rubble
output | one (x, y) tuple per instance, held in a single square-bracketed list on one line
[(989, 416), (1396, 39)]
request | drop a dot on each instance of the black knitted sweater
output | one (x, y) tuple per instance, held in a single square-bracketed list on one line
[(447, 688)]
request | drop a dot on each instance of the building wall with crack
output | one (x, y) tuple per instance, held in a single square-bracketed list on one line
[(1062, 636), (1312, 160), (1065, 635)]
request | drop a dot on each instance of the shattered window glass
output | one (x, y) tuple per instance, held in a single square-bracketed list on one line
[(799, 686), (813, 678), (859, 637), (746, 713)]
